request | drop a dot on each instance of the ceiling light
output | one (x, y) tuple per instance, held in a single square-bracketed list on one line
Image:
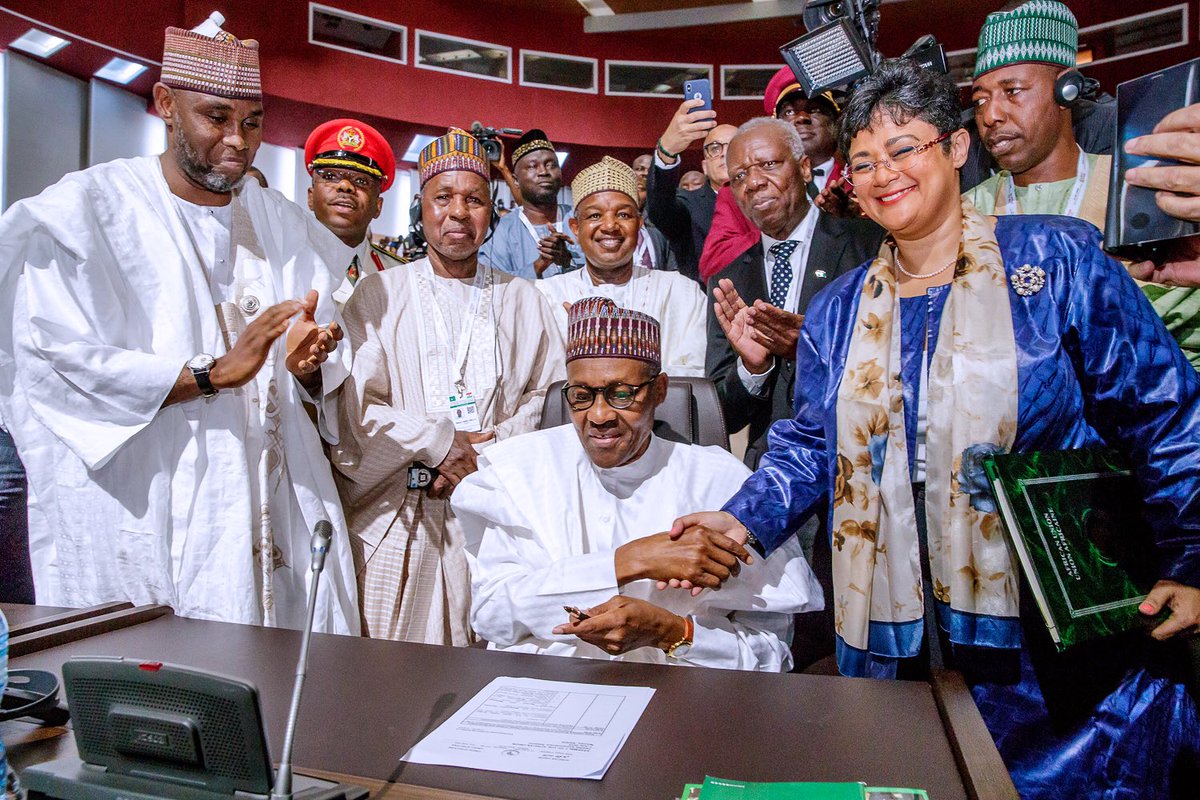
[(39, 43), (118, 70), (562, 157), (416, 146)]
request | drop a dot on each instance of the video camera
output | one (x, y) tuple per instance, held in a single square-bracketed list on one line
[(839, 47), (490, 138)]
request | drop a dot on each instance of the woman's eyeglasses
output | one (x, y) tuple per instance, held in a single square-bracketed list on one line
[(860, 173)]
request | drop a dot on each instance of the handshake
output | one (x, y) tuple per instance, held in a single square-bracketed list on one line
[(701, 551)]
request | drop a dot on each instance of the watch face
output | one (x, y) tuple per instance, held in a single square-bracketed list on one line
[(202, 361), (681, 650)]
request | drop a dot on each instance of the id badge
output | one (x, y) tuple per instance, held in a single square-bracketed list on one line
[(464, 412)]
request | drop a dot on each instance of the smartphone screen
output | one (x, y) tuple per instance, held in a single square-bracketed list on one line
[(699, 89)]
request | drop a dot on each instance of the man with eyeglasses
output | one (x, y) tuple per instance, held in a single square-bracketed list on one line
[(684, 216), (607, 226), (560, 525), (351, 165)]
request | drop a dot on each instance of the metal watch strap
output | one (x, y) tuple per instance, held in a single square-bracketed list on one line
[(689, 632)]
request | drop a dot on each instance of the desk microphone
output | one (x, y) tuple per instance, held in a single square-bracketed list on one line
[(321, 538)]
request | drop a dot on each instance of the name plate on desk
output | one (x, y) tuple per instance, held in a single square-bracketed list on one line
[(551, 729)]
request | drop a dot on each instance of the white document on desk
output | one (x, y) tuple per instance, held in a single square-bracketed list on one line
[(552, 729)]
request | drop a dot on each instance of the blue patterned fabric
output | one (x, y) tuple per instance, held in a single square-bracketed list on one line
[(1095, 366), (781, 271)]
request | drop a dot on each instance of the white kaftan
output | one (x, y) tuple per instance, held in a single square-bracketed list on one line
[(412, 570), (107, 283), (675, 301), (542, 523)]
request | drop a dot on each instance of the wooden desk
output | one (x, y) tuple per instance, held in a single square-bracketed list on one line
[(24, 619), (368, 701), (37, 631)]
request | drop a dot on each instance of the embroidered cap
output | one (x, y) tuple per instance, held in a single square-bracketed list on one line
[(350, 144), (1040, 31), (223, 65), (531, 140), (455, 150), (599, 328), (783, 84), (606, 175)]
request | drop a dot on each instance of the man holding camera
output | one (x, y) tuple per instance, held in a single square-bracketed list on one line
[(532, 242), (448, 354)]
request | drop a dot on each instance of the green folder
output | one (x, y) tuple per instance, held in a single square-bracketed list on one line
[(1073, 517), (724, 789)]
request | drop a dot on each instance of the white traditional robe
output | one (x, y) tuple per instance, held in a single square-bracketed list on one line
[(207, 505), (543, 523), (412, 570), (675, 301)]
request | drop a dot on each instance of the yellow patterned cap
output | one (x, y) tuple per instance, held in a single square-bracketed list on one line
[(608, 175), (457, 150)]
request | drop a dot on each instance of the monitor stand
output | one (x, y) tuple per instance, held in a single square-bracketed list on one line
[(69, 778)]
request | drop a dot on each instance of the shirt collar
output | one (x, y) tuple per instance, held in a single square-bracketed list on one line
[(797, 232)]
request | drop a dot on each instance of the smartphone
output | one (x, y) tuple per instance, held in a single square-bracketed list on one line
[(699, 89)]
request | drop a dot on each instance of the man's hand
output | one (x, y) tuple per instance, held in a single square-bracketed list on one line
[(1184, 602), (775, 329), (552, 249), (244, 360), (1176, 138), (719, 521), (686, 127), (733, 317), (460, 462), (622, 624), (1180, 266), (702, 557), (309, 344)]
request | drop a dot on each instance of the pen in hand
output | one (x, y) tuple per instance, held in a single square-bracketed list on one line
[(575, 612)]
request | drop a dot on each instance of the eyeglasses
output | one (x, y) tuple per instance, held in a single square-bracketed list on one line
[(618, 395), (715, 149), (358, 180), (860, 173)]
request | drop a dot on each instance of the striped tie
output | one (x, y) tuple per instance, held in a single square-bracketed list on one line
[(781, 271)]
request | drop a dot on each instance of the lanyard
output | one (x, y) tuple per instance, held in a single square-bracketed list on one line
[(560, 226), (1074, 200), (481, 298)]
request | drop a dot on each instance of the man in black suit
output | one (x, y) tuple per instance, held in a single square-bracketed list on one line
[(685, 216), (758, 303), (761, 296)]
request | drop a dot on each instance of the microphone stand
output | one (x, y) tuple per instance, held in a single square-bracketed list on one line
[(322, 535)]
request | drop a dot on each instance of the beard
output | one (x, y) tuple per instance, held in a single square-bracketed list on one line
[(543, 197), (194, 166)]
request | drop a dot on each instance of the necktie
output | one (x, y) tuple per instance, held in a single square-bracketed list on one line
[(781, 271), (352, 271)]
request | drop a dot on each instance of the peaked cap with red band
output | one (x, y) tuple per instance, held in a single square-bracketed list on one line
[(350, 144), (784, 83)]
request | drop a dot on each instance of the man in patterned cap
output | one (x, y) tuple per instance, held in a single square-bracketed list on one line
[(351, 165), (1022, 52), (533, 242), (166, 323), (560, 526), (606, 225), (449, 354)]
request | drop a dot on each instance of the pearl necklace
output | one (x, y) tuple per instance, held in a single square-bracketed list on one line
[(933, 274)]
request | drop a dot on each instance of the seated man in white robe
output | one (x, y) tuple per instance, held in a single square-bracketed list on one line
[(560, 525), (606, 225), (154, 379)]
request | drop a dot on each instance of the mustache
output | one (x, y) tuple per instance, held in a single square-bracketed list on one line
[(1000, 136)]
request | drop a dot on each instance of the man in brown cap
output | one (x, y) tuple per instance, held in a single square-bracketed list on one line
[(169, 323), (559, 524)]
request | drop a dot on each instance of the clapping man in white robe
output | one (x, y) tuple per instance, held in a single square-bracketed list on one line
[(560, 521), (160, 338)]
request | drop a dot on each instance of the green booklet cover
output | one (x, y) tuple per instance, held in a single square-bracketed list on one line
[(1073, 517), (724, 789)]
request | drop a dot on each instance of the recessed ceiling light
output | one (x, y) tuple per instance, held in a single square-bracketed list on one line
[(562, 157), (416, 146), (118, 70), (39, 43)]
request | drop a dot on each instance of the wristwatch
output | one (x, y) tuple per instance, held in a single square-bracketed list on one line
[(684, 645), (200, 366)]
